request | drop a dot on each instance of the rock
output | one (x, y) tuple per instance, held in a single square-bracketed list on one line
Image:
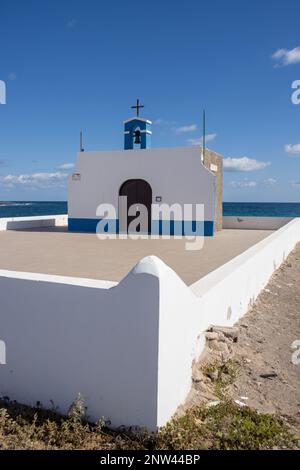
[(229, 332), (197, 376), (225, 356), (213, 344), (213, 403), (210, 335), (217, 355), (222, 338), (271, 375), (218, 346), (213, 374), (240, 403)]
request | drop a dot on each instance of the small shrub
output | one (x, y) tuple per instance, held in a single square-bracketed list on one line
[(225, 426), (77, 411)]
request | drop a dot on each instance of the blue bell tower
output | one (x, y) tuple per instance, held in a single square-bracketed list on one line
[(137, 131)]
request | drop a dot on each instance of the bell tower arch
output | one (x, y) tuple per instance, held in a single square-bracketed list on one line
[(137, 131)]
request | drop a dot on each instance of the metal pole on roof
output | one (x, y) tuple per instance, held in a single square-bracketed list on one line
[(203, 136), (81, 142)]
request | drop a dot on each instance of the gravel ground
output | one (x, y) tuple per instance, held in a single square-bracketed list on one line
[(264, 346), (267, 379)]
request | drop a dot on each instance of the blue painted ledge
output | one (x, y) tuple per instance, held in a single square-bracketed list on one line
[(159, 227)]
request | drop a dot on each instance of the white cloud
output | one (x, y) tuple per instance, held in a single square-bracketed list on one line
[(164, 123), (269, 182), (66, 166), (243, 184), (199, 140), (295, 184), (34, 180), (12, 76), (185, 129), (244, 164), (292, 149), (72, 23), (287, 56)]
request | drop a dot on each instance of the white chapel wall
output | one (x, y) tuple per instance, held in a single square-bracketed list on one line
[(175, 174)]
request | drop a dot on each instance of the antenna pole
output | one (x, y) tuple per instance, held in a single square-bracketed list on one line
[(81, 142), (204, 134)]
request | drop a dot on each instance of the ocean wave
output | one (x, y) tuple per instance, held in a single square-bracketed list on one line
[(15, 204)]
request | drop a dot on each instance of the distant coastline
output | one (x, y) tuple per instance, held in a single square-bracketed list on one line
[(241, 209)]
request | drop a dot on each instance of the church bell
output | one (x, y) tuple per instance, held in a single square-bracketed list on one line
[(137, 137)]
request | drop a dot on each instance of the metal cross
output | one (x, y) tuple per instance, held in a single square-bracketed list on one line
[(137, 107)]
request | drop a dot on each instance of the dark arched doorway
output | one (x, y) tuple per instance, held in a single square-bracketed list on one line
[(138, 192)]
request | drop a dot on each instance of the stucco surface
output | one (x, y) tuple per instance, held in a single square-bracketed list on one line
[(55, 251), (216, 160), (176, 175)]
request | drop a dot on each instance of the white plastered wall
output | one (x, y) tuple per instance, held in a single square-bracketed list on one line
[(98, 339), (254, 223), (177, 175), (16, 223), (128, 348)]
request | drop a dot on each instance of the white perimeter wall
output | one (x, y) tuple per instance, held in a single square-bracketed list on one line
[(175, 174), (14, 223), (127, 348), (101, 341), (220, 298), (255, 223)]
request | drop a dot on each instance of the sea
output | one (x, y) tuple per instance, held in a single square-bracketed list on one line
[(257, 209), (32, 208)]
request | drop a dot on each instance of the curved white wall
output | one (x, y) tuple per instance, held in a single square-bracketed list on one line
[(101, 341), (128, 348)]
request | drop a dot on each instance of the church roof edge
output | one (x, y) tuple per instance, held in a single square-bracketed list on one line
[(137, 118)]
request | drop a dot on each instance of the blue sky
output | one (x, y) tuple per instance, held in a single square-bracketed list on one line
[(72, 65)]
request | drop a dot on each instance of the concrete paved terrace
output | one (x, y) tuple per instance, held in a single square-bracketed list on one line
[(55, 251)]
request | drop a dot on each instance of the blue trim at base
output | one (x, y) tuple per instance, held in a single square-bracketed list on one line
[(90, 225), (159, 227), (185, 228)]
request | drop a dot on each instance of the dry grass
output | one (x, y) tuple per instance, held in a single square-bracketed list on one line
[(225, 426)]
